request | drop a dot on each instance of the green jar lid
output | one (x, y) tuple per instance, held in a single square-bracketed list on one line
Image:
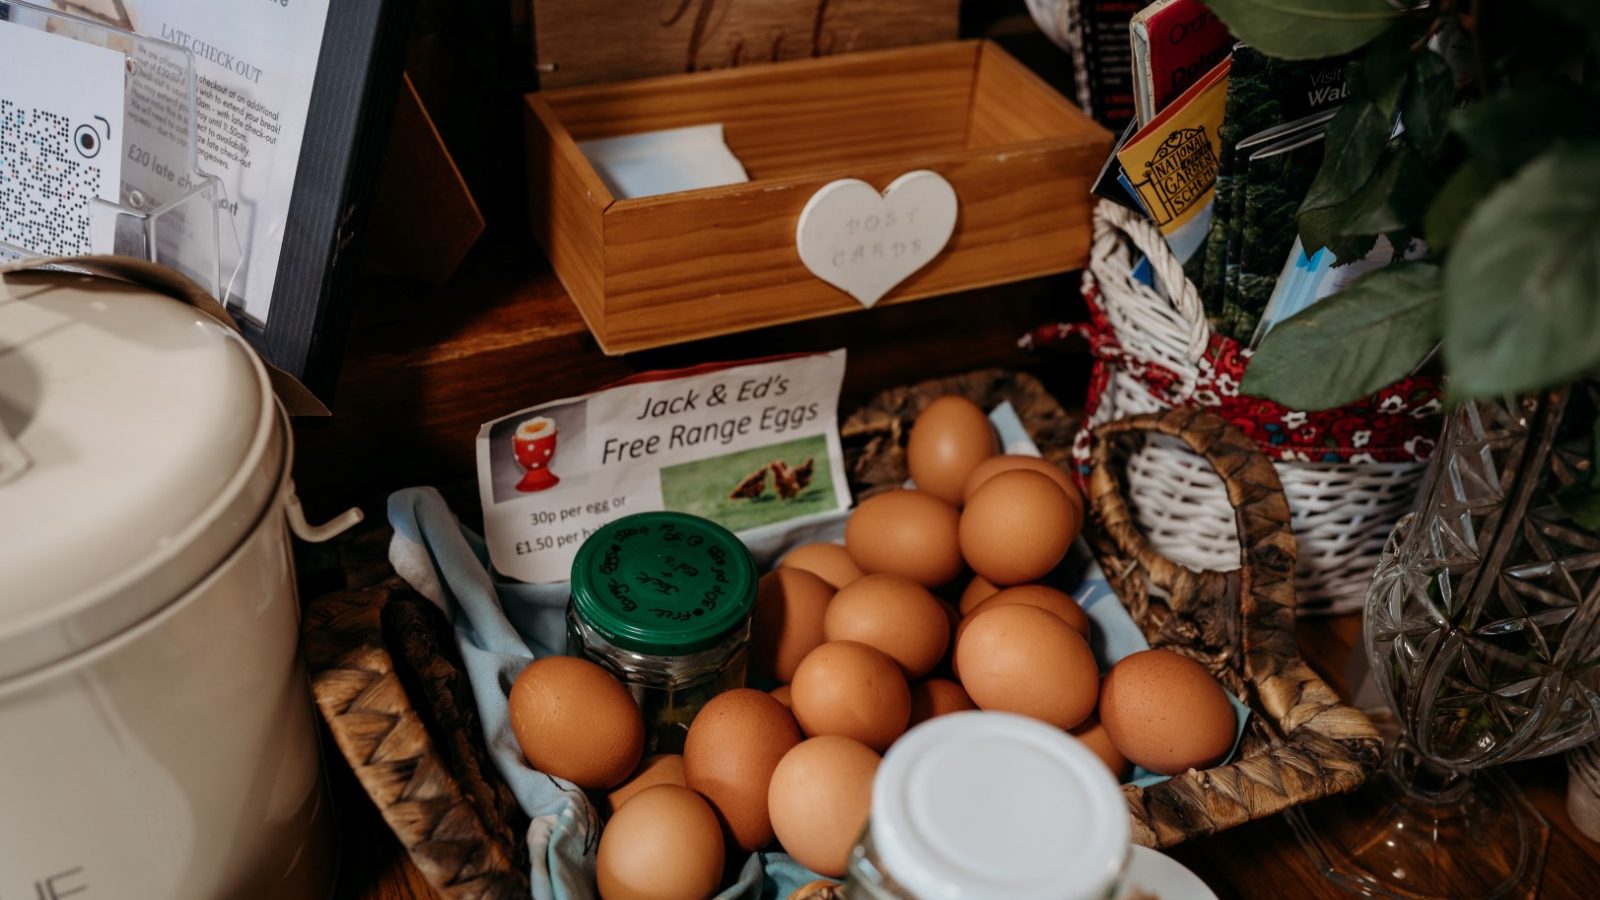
[(663, 583)]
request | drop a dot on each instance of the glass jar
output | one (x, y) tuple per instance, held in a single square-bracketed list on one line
[(663, 601), (994, 806)]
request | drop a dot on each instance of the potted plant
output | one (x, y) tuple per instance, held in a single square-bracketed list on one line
[(1474, 125)]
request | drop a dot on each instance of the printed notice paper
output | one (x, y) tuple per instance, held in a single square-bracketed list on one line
[(746, 445), (61, 109), (255, 64)]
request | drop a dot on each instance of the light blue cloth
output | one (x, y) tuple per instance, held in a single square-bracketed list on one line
[(502, 625)]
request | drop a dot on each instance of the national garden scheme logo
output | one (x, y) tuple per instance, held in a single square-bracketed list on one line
[(1179, 175)]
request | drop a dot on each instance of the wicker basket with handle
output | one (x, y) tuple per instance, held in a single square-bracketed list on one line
[(388, 681), (1349, 474), (1303, 743)]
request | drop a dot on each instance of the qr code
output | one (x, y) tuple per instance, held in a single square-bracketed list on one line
[(47, 180)]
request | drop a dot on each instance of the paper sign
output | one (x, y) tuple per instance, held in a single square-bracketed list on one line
[(61, 105), (749, 445), (255, 63)]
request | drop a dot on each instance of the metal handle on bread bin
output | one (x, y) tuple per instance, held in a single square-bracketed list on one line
[(316, 534)]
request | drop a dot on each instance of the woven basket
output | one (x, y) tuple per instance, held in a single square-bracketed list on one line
[(1303, 743), (388, 681), (1341, 512)]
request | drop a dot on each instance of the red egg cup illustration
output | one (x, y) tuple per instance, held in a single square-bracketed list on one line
[(535, 445)]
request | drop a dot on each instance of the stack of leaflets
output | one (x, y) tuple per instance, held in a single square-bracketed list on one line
[(1165, 164), (1272, 139), (1169, 166), (1221, 162)]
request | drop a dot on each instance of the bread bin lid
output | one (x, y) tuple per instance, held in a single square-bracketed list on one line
[(144, 446)]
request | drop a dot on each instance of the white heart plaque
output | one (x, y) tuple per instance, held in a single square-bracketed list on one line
[(864, 243)]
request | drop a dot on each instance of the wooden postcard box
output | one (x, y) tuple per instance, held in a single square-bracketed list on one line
[(651, 271)]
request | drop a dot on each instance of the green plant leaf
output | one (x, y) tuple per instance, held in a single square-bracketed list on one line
[(1582, 503), (1364, 338), (1325, 227), (1381, 73), (1354, 142), (1460, 193), (1515, 125), (1425, 111), (1522, 285), (1305, 29), (1396, 198)]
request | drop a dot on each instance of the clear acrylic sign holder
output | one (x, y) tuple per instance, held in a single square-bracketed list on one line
[(168, 210)]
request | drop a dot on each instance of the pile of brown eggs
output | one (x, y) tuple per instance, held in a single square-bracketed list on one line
[(931, 606)]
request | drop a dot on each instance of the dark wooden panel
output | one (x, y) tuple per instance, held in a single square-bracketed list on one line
[(427, 367), (587, 41)]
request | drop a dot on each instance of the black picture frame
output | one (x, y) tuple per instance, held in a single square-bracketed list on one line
[(353, 94)]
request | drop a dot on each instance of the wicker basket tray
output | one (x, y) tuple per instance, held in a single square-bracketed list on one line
[(388, 681)]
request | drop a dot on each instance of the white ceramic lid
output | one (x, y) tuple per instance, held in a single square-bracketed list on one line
[(149, 447), (997, 806)]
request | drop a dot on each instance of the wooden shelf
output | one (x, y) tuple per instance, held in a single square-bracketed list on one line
[(425, 367)]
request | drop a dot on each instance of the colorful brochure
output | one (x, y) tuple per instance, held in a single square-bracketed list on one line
[(1171, 163), (1174, 44)]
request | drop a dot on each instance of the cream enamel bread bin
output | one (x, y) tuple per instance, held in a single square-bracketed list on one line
[(157, 739)]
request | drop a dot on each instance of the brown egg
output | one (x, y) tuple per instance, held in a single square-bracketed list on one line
[(574, 721), (1166, 712), (1093, 734), (728, 756), (820, 797), (994, 465), (830, 562), (787, 622), (948, 440), (662, 768), (850, 689), (782, 694), (1046, 598), (664, 845), (1058, 603), (909, 533), (1024, 660), (821, 889), (978, 590), (1017, 527), (895, 615), (936, 697)]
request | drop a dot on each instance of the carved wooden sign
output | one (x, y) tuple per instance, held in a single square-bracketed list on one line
[(586, 41)]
